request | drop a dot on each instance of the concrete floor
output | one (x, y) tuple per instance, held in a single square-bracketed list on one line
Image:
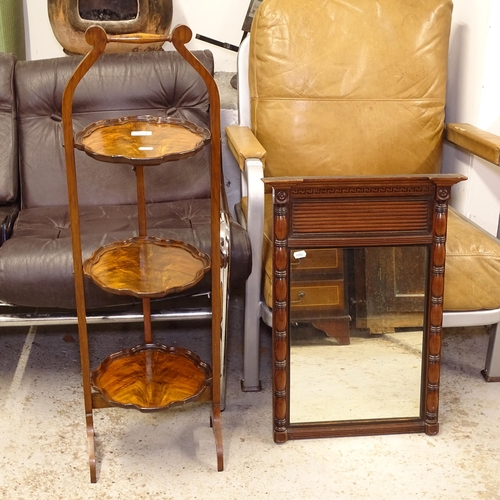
[(171, 455)]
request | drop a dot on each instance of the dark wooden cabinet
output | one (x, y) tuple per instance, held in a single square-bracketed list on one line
[(390, 294), (318, 291)]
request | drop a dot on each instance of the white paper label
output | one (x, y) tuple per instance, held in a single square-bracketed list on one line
[(146, 148), (299, 254), (141, 132)]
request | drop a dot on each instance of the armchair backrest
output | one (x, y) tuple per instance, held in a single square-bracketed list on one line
[(154, 83), (349, 87)]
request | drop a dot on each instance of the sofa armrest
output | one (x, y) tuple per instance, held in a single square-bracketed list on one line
[(8, 215), (244, 145), (475, 140)]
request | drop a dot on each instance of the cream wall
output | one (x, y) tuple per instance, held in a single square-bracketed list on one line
[(217, 19), (473, 97)]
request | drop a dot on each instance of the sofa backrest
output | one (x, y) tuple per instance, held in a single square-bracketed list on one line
[(8, 131), (349, 87), (147, 83)]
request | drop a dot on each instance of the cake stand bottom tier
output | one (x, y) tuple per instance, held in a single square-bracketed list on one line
[(151, 377)]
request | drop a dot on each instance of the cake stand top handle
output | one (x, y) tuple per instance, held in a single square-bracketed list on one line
[(181, 34), (97, 36)]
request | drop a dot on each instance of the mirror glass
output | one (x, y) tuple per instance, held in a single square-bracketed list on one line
[(356, 333)]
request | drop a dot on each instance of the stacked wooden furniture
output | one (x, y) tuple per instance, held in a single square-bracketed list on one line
[(320, 301), (149, 376)]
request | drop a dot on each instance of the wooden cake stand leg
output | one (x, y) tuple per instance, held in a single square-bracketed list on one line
[(87, 388), (216, 424), (146, 312), (87, 396), (85, 364), (218, 339), (143, 231), (91, 447), (79, 286)]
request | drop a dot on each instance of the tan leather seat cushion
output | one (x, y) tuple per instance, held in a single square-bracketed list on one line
[(472, 264), (472, 267)]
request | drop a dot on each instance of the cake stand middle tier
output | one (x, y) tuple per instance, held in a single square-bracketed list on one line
[(146, 267)]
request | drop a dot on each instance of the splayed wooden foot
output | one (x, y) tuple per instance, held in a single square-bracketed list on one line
[(91, 446), (216, 424)]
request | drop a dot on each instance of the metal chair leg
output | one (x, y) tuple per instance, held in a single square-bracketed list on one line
[(491, 372)]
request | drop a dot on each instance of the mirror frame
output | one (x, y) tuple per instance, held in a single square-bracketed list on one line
[(410, 210)]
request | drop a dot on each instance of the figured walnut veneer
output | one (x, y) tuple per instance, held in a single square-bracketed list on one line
[(151, 377), (147, 267)]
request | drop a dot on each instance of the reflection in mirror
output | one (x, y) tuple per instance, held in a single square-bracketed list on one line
[(356, 333)]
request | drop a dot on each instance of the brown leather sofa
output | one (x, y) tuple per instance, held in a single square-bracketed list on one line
[(35, 255)]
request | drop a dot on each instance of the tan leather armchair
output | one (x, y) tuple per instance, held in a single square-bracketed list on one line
[(355, 87)]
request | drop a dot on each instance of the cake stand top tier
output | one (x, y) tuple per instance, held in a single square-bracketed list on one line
[(142, 140)]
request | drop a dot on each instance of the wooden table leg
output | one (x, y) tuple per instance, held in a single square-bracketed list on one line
[(336, 328)]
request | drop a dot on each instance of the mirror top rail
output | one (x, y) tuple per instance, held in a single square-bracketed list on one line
[(361, 211)]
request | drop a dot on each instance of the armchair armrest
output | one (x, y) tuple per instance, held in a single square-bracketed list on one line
[(244, 145), (475, 140), (250, 156)]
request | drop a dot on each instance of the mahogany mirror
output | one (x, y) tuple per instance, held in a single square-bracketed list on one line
[(358, 282)]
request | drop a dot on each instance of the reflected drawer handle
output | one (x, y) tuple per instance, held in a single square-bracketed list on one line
[(300, 295)]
